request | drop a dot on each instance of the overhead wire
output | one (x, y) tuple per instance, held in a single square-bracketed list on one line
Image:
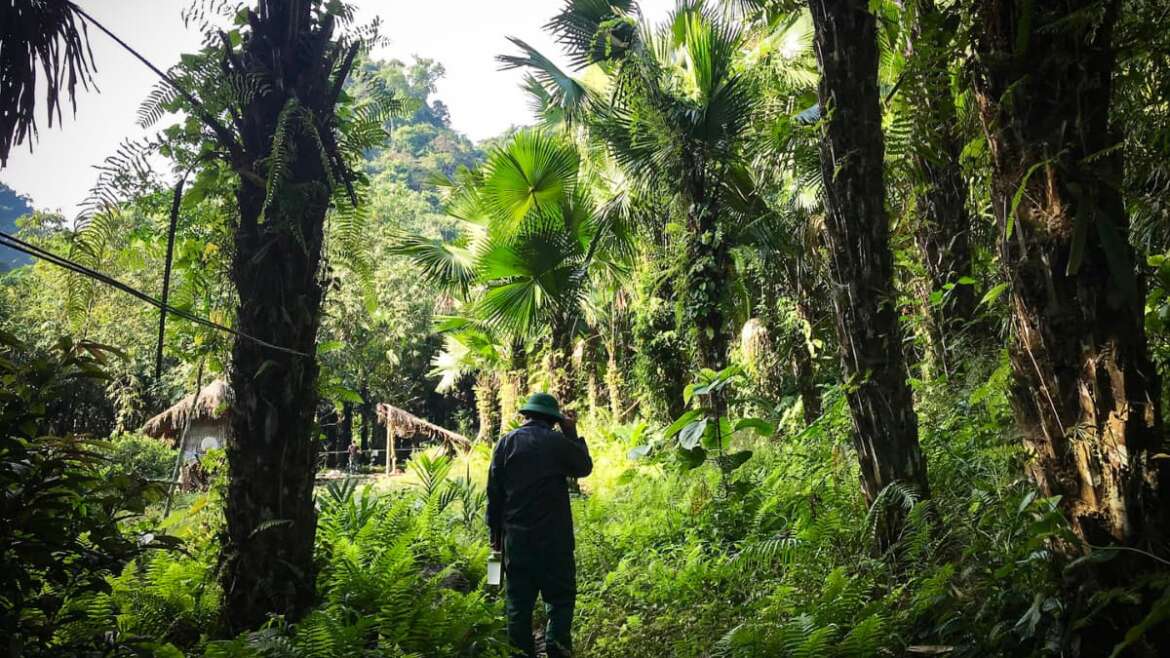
[(16, 243)]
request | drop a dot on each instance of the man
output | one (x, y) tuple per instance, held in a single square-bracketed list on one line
[(529, 519), (353, 456)]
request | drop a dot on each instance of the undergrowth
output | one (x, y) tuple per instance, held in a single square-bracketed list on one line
[(775, 560)]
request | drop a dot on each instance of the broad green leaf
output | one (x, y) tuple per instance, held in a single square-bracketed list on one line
[(691, 459), (681, 422), (1019, 196), (639, 452), (991, 295), (692, 434), (329, 346), (761, 426), (733, 461)]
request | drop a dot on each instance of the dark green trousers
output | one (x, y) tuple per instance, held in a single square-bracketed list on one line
[(550, 571)]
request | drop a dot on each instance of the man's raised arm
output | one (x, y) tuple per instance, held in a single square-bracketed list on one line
[(576, 457)]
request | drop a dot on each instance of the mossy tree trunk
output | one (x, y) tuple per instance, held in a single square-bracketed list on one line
[(514, 383), (885, 429), (804, 373), (1085, 394), (487, 386), (943, 221), (706, 285), (283, 194), (801, 279)]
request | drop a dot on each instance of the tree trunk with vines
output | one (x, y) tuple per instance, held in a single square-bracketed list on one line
[(270, 521), (943, 221), (1085, 393), (885, 428), (486, 393), (708, 274)]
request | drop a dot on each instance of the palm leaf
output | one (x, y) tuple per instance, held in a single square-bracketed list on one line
[(594, 31), (442, 263), (41, 38), (553, 88), (531, 170)]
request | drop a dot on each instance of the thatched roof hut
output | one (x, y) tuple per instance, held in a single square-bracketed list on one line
[(405, 423), (213, 403)]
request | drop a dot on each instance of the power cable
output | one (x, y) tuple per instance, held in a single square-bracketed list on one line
[(16, 243)]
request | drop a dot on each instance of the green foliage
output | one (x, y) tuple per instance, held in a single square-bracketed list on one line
[(783, 566), (392, 580), (140, 456), (67, 521)]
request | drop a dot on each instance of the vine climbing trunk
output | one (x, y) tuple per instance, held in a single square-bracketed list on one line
[(366, 413), (708, 274), (486, 391), (885, 429), (802, 281), (943, 222), (284, 191), (1085, 393), (613, 386), (514, 383)]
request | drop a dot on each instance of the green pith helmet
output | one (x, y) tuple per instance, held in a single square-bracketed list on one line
[(543, 404)]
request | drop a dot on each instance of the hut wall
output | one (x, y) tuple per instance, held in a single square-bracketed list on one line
[(205, 434)]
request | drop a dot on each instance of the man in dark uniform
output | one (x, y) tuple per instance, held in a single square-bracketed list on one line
[(529, 518)]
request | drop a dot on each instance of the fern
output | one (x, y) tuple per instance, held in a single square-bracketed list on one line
[(895, 497), (769, 551)]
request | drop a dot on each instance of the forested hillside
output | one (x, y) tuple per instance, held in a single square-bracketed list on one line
[(12, 207), (862, 307)]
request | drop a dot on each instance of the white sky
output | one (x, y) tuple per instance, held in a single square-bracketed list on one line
[(463, 35)]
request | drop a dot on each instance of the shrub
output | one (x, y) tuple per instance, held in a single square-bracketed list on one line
[(140, 456), (63, 520)]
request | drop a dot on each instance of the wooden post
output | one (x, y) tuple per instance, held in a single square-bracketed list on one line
[(391, 453)]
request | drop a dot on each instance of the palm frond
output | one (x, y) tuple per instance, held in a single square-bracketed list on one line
[(554, 90), (532, 170), (594, 31), (41, 38), (446, 265)]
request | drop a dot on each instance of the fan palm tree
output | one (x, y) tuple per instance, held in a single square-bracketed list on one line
[(533, 235), (471, 347), (675, 122)]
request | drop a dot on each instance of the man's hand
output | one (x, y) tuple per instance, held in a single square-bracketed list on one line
[(497, 542), (569, 426)]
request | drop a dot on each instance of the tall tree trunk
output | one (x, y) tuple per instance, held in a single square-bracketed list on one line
[(885, 429), (330, 430), (562, 373), (486, 389), (346, 432), (613, 385), (804, 373), (270, 520), (801, 280), (366, 412), (943, 220), (708, 274), (514, 383), (1085, 393)]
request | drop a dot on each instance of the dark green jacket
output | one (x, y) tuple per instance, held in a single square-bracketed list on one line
[(528, 498)]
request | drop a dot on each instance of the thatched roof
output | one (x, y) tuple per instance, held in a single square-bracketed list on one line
[(405, 422), (211, 403)]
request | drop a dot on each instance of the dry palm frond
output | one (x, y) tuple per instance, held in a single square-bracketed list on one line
[(211, 403), (38, 38), (405, 422)]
